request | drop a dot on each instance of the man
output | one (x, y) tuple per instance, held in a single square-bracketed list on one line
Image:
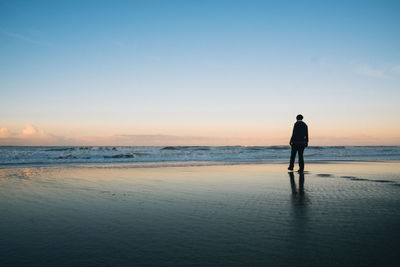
[(298, 142)]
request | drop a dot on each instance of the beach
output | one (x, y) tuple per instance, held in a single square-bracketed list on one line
[(174, 133), (339, 213)]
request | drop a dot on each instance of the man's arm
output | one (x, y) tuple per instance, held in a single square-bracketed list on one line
[(291, 138), (306, 135)]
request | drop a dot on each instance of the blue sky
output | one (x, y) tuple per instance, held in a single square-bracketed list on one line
[(239, 70)]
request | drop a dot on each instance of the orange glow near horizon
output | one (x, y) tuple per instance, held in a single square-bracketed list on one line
[(223, 135)]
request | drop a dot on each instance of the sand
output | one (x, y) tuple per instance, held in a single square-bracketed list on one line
[(342, 214)]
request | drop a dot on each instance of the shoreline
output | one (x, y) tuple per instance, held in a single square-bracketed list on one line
[(166, 164)]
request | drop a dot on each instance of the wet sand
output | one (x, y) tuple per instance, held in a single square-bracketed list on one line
[(337, 214)]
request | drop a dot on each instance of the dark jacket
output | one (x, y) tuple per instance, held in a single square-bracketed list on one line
[(300, 133)]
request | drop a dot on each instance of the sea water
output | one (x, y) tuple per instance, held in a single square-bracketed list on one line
[(50, 155)]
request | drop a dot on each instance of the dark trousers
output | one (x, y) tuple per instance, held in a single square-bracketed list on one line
[(297, 148)]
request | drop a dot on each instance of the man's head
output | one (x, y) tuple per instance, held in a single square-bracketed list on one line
[(299, 117)]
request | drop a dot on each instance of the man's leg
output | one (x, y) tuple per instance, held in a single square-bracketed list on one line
[(292, 157), (301, 158)]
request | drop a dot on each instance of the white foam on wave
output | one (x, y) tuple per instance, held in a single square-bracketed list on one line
[(152, 154)]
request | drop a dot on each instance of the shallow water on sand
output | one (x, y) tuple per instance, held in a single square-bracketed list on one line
[(337, 214)]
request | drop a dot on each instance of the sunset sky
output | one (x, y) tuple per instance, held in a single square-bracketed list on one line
[(199, 72)]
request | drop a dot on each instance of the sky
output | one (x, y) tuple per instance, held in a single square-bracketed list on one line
[(199, 72)]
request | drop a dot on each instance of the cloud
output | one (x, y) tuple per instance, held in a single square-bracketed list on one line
[(31, 131), (25, 38), (367, 70), (388, 72), (31, 136), (355, 140), (396, 69), (145, 140), (4, 133)]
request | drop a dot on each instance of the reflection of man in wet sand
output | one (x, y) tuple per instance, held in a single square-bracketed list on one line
[(298, 142), (299, 201), (293, 183)]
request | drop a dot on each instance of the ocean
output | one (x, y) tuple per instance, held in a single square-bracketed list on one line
[(53, 155)]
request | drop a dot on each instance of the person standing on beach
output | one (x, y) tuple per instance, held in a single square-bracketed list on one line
[(298, 142)]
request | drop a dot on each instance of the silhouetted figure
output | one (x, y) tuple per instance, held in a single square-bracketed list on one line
[(298, 142)]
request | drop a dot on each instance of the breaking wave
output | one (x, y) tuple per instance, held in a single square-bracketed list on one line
[(16, 155)]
